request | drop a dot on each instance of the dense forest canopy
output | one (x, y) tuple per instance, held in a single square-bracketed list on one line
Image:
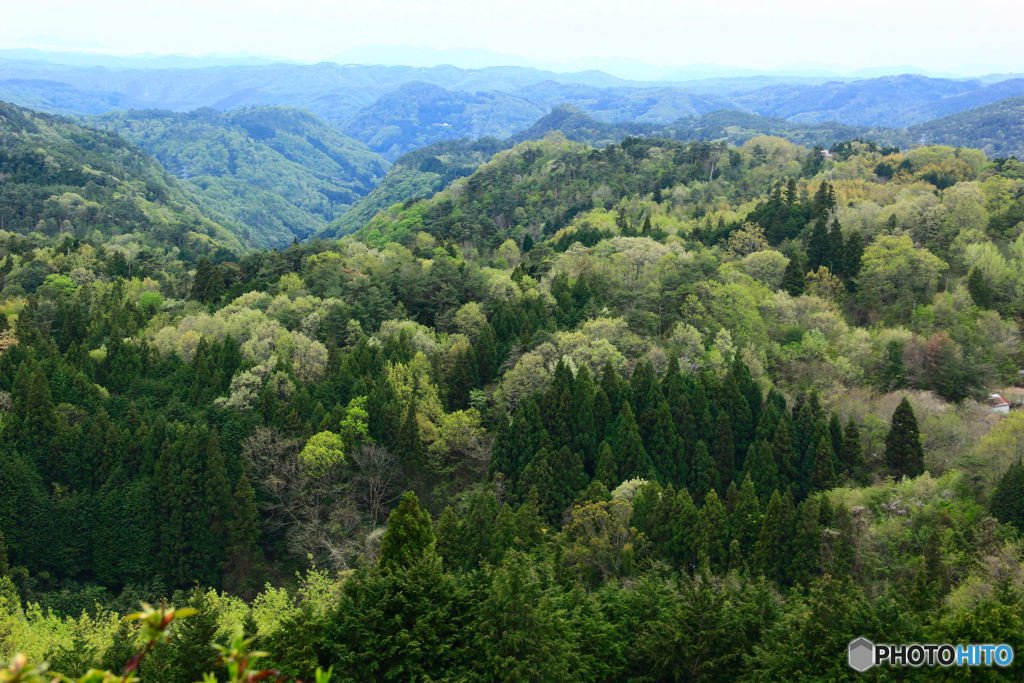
[(281, 172), (653, 410)]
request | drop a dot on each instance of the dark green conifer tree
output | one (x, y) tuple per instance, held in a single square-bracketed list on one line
[(980, 290), (711, 533), (903, 453), (835, 435), (541, 477), (570, 478), (611, 384), (584, 426), (794, 281), (242, 552), (723, 451), (773, 541), (643, 389), (208, 283), (851, 455), (1007, 502), (607, 469), (761, 469), (822, 473), (631, 458), (664, 448), (853, 254), (745, 517), (409, 535), (704, 475), (462, 378), (805, 544), (485, 348), (818, 245), (449, 538)]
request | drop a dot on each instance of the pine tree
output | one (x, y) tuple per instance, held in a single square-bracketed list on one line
[(794, 281), (631, 459), (723, 451), (773, 539), (448, 535), (409, 536), (761, 469), (853, 253), (835, 435), (485, 348), (540, 477), (1007, 503), (903, 453), (805, 544), (208, 283), (570, 477), (681, 549), (712, 524), (851, 455), (980, 290), (704, 475), (607, 471), (822, 473), (243, 555), (664, 448), (643, 389), (818, 245), (611, 384), (462, 378), (584, 426), (188, 654), (745, 517), (33, 407)]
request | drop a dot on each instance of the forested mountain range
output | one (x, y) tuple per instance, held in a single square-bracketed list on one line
[(597, 401), (395, 110), (63, 179), (634, 392), (281, 172), (997, 128)]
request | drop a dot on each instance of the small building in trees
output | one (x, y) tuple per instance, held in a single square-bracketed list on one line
[(998, 404)]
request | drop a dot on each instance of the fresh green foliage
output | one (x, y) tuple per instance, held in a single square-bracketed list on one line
[(281, 173), (660, 410)]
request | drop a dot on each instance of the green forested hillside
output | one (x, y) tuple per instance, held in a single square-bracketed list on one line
[(419, 114), (60, 178), (282, 173), (417, 174), (998, 129), (658, 411)]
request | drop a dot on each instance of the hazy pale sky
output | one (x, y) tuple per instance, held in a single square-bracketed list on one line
[(938, 35)]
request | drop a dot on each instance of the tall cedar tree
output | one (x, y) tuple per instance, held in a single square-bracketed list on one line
[(903, 453), (794, 282), (1007, 503), (409, 535), (631, 459), (723, 451)]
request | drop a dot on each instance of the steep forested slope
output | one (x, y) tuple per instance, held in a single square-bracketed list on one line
[(654, 411), (417, 174), (62, 178), (418, 114), (280, 172), (998, 129)]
